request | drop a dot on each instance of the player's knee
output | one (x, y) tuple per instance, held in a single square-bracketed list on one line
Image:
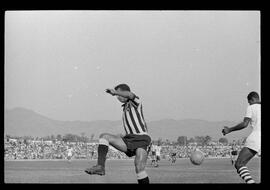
[(104, 136)]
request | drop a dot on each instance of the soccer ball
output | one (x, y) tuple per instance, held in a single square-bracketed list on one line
[(196, 157)]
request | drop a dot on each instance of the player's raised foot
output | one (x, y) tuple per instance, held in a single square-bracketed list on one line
[(95, 170)]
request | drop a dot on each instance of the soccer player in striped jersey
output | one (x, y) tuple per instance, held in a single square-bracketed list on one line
[(136, 141), (253, 141)]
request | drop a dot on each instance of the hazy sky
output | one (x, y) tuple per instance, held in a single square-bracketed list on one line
[(182, 64)]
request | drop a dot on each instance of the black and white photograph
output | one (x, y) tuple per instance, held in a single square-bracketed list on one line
[(132, 96)]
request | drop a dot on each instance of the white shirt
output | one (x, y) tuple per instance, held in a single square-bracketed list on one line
[(70, 151), (254, 139), (158, 149), (254, 113), (153, 148)]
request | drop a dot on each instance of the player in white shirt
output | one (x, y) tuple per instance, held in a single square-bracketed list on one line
[(253, 142), (153, 154), (158, 152), (69, 153)]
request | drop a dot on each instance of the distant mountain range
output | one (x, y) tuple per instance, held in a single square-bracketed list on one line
[(24, 122)]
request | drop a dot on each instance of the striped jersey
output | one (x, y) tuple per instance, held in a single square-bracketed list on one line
[(133, 120)]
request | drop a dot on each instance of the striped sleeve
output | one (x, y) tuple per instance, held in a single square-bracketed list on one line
[(135, 102)]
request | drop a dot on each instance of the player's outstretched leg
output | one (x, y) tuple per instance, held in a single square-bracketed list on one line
[(140, 162), (105, 140), (99, 169), (240, 164)]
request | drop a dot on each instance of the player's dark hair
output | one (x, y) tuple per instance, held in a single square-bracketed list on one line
[(123, 87), (253, 95)]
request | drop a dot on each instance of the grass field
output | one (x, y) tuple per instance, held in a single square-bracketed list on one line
[(122, 171)]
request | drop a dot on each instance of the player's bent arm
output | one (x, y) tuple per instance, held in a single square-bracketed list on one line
[(126, 94), (241, 125)]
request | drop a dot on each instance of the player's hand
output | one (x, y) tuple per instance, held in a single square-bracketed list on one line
[(225, 130), (110, 91)]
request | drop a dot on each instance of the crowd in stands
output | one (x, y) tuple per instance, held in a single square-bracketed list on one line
[(18, 150)]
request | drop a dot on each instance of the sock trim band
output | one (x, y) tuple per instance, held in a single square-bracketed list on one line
[(142, 175), (103, 141), (243, 167)]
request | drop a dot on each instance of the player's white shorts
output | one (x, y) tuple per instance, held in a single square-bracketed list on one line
[(69, 155), (253, 141)]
